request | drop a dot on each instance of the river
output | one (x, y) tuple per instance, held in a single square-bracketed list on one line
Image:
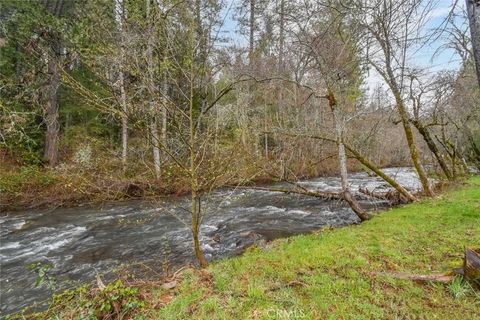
[(83, 241)]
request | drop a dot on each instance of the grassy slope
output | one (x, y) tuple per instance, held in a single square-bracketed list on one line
[(334, 274)]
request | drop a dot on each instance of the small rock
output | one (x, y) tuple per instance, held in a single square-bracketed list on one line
[(169, 285)]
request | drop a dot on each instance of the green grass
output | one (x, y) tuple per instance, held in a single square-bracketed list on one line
[(343, 273), (332, 274)]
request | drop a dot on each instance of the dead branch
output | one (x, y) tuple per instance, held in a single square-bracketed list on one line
[(317, 194), (443, 278)]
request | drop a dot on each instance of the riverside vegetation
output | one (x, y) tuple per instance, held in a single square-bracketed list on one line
[(329, 274)]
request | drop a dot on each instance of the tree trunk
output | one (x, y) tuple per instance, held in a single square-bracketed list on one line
[(473, 13), (154, 136), (252, 32), (347, 195), (464, 165), (123, 106), (342, 159), (281, 39), (155, 146), (51, 113), (433, 148), (195, 202), (195, 199), (164, 112), (454, 161), (475, 148), (412, 145), (119, 13)]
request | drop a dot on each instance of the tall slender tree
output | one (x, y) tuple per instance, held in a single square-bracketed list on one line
[(152, 88), (119, 18), (53, 57), (473, 13)]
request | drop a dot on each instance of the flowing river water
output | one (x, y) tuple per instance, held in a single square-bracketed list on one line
[(80, 242)]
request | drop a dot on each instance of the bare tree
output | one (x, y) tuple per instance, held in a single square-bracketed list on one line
[(339, 123), (281, 37), (473, 14), (391, 29), (119, 17), (337, 67), (152, 88)]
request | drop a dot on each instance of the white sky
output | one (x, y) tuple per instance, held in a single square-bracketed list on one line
[(429, 57)]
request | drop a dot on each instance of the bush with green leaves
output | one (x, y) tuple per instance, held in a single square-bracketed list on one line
[(115, 301), (26, 178)]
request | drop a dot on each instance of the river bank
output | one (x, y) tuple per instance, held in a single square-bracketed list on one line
[(36, 188), (341, 273), (32, 187)]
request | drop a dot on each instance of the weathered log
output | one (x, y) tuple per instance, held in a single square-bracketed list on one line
[(471, 266), (470, 271), (443, 278), (317, 194), (392, 196)]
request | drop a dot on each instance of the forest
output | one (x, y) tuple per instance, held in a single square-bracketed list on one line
[(103, 101)]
